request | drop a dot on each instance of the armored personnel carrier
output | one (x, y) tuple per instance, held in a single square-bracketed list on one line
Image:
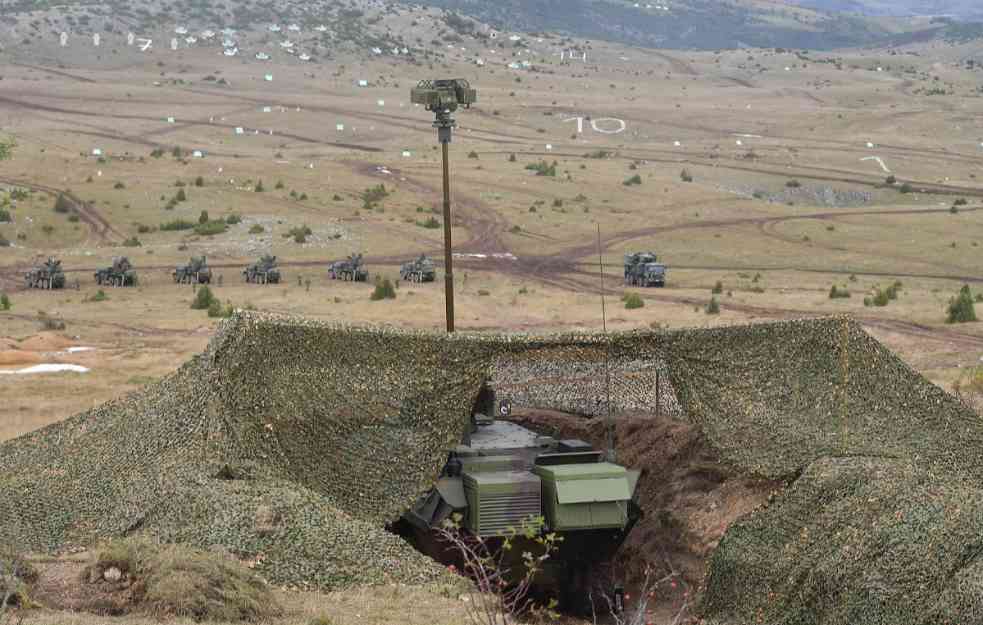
[(349, 269), (419, 270), (642, 269), (120, 273), (196, 271), (502, 473), (48, 275), (263, 271)]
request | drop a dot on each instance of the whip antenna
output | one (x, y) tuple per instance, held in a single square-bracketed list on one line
[(607, 351)]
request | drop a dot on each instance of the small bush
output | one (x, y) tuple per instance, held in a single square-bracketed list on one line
[(483, 292), (633, 301), (512, 158), (906, 188), (119, 185), (837, 293), (177, 224), (5, 303), (960, 202), (259, 187), (713, 307), (211, 228), (430, 223), (383, 290), (793, 184), (180, 582), (718, 288), (199, 181), (880, 298), (63, 204), (542, 168), (203, 218), (98, 296), (143, 228), (49, 323), (157, 152), (5, 216), (203, 299), (132, 242), (256, 229), (472, 154), (215, 309), (961, 308), (891, 180), (74, 218), (181, 196), (685, 176), (279, 185), (233, 219), (634, 180)]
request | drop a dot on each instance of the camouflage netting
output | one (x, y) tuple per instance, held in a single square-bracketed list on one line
[(292, 443)]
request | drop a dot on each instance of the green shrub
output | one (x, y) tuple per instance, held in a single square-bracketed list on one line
[(176, 581), (891, 180), (256, 229), (143, 228), (74, 218), (384, 289), (259, 187), (906, 188), (961, 308), (430, 223), (119, 185), (373, 195), (199, 181), (685, 176), (542, 168), (321, 620), (718, 288), (512, 158), (279, 185), (5, 303), (203, 218), (837, 293), (5, 216), (880, 298), (960, 202), (4, 242), (181, 196), (634, 180), (157, 152), (472, 154), (793, 184), (132, 242), (98, 296), (483, 292), (203, 299), (233, 219), (713, 307), (633, 301), (63, 204), (215, 309), (211, 228), (177, 224)]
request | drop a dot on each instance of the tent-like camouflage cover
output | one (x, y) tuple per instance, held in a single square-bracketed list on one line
[(292, 443)]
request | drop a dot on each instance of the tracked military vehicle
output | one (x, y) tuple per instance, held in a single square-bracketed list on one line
[(643, 269), (419, 270), (349, 269), (48, 275), (502, 473), (195, 272), (263, 271), (120, 273)]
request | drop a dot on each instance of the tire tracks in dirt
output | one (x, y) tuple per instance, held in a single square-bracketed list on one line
[(87, 213)]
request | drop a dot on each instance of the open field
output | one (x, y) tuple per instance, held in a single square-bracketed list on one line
[(757, 170)]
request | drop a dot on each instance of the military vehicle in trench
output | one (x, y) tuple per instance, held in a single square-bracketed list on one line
[(502, 474), (47, 275), (195, 272), (120, 273), (419, 270), (350, 269), (264, 271), (643, 269)]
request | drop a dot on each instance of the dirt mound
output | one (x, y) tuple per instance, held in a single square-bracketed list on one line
[(45, 342), (13, 357), (688, 495)]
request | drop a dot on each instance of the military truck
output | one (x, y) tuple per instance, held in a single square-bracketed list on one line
[(120, 273), (643, 269), (196, 271), (264, 271), (419, 270), (47, 275), (349, 269), (502, 473)]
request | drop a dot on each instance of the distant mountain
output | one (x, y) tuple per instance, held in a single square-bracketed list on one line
[(714, 24), (960, 9)]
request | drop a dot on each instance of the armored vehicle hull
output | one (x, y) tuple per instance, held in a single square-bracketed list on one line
[(641, 269), (502, 474), (264, 271), (195, 272), (46, 276), (120, 273), (349, 270), (419, 270)]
